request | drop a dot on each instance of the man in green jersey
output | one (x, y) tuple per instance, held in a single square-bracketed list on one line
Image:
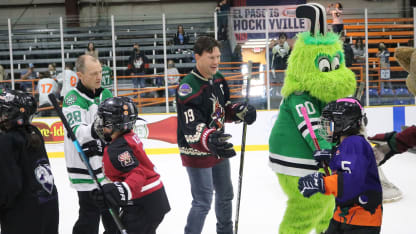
[(80, 107)]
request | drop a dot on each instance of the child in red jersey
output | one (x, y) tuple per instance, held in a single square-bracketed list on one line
[(136, 186)]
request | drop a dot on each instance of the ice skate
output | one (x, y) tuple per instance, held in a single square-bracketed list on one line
[(391, 192)]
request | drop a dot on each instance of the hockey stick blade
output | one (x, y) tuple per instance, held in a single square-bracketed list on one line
[(84, 158)]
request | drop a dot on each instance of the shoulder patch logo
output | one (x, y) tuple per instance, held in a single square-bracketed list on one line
[(184, 90), (44, 177), (71, 99), (125, 159)]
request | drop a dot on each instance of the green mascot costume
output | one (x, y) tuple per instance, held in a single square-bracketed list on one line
[(316, 74)]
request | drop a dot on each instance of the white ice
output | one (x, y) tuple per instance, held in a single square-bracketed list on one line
[(262, 202)]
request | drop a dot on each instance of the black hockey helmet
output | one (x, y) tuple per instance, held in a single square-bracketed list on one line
[(118, 113), (16, 109), (342, 117)]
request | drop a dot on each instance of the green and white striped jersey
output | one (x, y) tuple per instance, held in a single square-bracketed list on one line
[(80, 110), (290, 144)]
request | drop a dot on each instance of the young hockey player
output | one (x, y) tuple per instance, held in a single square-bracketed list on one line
[(28, 196), (136, 187), (354, 181)]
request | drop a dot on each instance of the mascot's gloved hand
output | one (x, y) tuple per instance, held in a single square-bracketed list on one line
[(218, 145), (93, 148), (244, 112), (311, 184), (114, 194), (322, 157), (384, 146)]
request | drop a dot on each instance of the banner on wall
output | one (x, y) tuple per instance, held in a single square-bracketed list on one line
[(52, 131), (249, 22)]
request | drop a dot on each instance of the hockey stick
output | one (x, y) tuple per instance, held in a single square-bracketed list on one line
[(243, 150), (360, 91), (313, 136), (84, 158)]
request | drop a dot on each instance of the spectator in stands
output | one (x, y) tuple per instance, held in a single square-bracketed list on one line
[(51, 70), (359, 51), (336, 11), (138, 63), (384, 55), (280, 55), (237, 55), (348, 52), (222, 9), (181, 37), (91, 50), (29, 74), (173, 77)]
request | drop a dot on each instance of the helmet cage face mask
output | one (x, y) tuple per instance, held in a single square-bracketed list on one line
[(343, 117)]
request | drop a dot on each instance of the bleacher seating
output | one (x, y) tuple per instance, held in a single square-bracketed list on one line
[(386, 92), (402, 92), (373, 92), (42, 46)]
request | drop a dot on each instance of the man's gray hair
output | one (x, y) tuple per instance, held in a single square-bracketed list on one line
[(80, 63)]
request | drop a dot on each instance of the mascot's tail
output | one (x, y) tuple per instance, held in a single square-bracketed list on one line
[(317, 14)]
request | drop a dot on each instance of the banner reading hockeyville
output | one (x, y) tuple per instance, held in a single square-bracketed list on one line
[(250, 22)]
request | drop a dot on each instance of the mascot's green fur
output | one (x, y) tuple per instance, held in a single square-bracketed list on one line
[(303, 72), (316, 74)]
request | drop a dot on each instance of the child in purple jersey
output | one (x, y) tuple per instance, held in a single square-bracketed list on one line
[(354, 181)]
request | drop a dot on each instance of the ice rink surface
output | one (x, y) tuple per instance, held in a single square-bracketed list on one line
[(262, 202)]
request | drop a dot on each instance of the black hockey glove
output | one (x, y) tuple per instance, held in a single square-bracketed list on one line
[(384, 146), (93, 148), (244, 112), (218, 145), (322, 157), (311, 184), (113, 194)]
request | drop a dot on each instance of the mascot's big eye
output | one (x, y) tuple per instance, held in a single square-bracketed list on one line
[(335, 63), (324, 65)]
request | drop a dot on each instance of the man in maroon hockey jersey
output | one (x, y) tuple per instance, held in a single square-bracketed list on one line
[(136, 186)]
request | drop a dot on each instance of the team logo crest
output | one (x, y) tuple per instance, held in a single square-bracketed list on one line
[(71, 99), (218, 113), (125, 159), (184, 90), (44, 177)]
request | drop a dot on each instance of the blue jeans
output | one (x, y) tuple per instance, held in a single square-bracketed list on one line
[(204, 181), (139, 82)]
